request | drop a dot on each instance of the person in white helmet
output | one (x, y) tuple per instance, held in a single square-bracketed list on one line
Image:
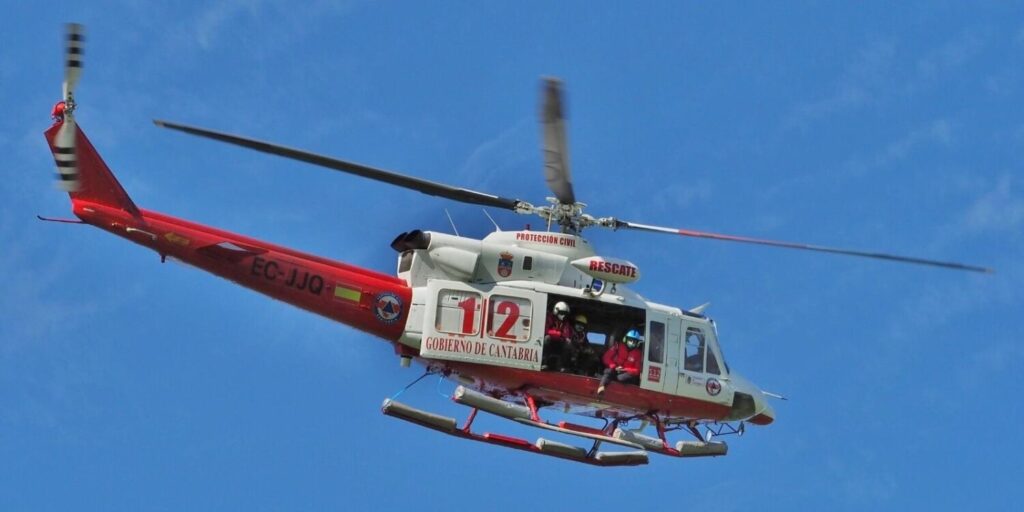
[(557, 334)]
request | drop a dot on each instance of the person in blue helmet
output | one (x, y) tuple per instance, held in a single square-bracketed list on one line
[(623, 361)]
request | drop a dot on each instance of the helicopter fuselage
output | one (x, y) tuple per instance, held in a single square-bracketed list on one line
[(494, 344), (479, 309)]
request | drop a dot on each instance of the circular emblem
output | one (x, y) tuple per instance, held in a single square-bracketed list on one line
[(713, 387), (388, 307)]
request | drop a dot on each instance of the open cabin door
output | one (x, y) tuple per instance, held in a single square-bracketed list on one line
[(496, 325)]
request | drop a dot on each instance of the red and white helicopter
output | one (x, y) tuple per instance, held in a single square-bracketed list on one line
[(473, 310)]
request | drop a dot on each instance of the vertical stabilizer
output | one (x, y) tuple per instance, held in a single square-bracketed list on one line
[(95, 181)]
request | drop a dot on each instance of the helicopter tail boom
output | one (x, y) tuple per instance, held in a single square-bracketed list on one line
[(370, 301)]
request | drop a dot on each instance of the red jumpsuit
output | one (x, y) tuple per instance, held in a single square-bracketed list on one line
[(557, 336), (619, 355), (558, 330)]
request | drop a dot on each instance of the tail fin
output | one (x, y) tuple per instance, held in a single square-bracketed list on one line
[(96, 183)]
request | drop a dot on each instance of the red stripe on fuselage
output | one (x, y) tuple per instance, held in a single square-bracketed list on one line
[(579, 393)]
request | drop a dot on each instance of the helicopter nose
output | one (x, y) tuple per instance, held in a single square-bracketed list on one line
[(765, 414), (753, 408)]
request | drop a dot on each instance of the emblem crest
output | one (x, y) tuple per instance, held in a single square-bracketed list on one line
[(505, 264), (387, 307), (713, 387)]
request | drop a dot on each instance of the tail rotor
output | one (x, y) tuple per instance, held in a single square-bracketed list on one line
[(65, 154)]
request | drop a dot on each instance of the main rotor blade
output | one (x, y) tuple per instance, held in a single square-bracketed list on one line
[(393, 178), (808, 247), (555, 147)]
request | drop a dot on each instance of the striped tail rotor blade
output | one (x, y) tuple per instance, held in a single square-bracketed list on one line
[(66, 157), (73, 55)]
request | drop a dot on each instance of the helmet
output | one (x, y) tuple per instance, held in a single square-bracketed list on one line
[(633, 338), (561, 309), (581, 322)]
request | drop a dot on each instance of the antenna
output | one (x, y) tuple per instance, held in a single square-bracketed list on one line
[(452, 221), (700, 309), (496, 227)]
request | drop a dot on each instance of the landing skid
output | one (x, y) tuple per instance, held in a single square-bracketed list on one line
[(543, 446), (528, 415)]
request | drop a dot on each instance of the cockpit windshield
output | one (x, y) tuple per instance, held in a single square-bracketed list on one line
[(719, 347)]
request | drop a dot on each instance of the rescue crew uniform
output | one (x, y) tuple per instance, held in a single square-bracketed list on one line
[(557, 335), (579, 358), (619, 355)]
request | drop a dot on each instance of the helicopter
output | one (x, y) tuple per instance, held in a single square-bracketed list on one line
[(476, 311)]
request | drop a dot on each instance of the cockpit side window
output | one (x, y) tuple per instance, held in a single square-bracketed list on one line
[(712, 365), (695, 348), (718, 348)]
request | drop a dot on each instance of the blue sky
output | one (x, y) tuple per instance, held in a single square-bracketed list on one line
[(130, 385)]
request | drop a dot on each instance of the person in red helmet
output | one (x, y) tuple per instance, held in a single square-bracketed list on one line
[(623, 361)]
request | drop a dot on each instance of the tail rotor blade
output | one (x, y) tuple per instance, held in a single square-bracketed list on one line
[(555, 146), (65, 157), (74, 53)]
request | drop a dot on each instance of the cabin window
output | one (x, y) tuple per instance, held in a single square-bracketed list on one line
[(694, 360), (458, 312), (528, 263), (656, 343), (508, 318)]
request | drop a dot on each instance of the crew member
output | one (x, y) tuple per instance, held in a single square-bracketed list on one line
[(581, 357), (557, 334), (622, 361)]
